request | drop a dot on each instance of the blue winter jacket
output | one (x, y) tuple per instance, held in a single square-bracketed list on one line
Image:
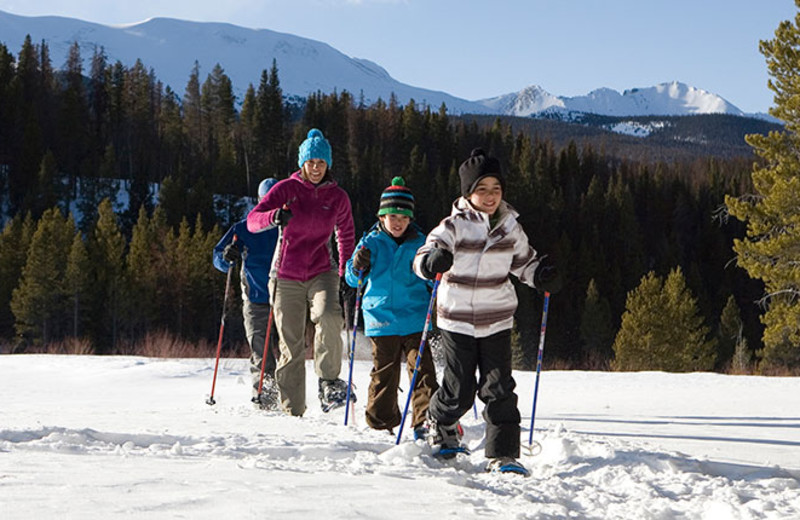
[(395, 300), (257, 250)]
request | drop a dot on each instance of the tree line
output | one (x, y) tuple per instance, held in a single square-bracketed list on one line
[(81, 153)]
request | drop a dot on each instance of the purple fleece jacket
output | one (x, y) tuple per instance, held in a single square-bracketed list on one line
[(317, 211)]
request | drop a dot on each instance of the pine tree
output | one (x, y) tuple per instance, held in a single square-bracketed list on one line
[(107, 250), (14, 243), (661, 328), (729, 333), (596, 330), (38, 303), (771, 250), (77, 280)]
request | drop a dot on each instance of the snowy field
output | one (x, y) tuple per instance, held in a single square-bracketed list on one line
[(89, 437)]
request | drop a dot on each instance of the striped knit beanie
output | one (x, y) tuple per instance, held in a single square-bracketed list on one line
[(397, 199), (314, 147)]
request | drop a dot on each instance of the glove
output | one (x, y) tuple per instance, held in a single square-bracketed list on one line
[(282, 216), (361, 260), (547, 279), (231, 253), (347, 295), (437, 261)]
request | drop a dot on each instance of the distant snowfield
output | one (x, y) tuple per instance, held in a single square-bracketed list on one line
[(110, 437)]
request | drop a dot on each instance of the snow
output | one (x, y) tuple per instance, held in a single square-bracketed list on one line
[(635, 128), (109, 437)]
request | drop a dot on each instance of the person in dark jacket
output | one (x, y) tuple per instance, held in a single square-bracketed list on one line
[(394, 305), (255, 250)]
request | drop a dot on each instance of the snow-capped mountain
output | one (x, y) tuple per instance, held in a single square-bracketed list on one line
[(170, 47), (667, 99)]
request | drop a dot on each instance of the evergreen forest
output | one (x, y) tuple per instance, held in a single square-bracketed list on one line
[(114, 190)]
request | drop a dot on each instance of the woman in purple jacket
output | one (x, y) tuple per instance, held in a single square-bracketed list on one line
[(309, 207)]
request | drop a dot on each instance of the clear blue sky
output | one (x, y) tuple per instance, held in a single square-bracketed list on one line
[(479, 49)]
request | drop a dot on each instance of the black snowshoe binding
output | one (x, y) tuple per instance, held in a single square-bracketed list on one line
[(333, 394)]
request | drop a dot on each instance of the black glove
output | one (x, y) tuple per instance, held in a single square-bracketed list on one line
[(231, 253), (547, 279), (347, 297), (437, 261), (361, 260), (282, 216)]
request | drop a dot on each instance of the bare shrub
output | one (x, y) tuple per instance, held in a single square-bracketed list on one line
[(163, 344)]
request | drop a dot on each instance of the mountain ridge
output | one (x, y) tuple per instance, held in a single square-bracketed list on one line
[(171, 46)]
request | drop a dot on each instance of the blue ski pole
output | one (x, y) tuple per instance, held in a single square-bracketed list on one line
[(539, 362), (353, 345), (419, 355)]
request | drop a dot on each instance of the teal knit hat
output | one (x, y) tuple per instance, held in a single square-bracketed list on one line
[(314, 147), (397, 199)]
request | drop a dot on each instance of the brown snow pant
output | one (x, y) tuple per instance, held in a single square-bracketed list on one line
[(388, 352), (318, 299)]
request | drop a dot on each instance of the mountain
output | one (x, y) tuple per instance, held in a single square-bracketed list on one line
[(171, 47), (666, 99)]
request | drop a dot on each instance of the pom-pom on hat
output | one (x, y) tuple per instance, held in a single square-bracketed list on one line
[(478, 166), (314, 147), (397, 199), (265, 186)]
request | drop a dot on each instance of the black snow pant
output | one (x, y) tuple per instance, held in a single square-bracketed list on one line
[(491, 357)]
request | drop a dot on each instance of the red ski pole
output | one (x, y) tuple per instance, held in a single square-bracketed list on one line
[(264, 355), (210, 400)]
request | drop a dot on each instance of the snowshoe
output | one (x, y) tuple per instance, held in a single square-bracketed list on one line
[(447, 453), (269, 397), (506, 465), (445, 438), (333, 394)]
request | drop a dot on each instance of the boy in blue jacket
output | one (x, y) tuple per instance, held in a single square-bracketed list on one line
[(394, 305), (255, 250)]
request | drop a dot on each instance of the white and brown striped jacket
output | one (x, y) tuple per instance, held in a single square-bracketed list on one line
[(476, 296)]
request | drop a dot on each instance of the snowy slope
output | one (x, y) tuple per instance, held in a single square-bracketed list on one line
[(170, 47), (129, 437)]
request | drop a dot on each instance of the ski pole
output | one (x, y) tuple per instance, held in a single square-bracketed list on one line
[(210, 400), (419, 355), (353, 345), (264, 355), (539, 362)]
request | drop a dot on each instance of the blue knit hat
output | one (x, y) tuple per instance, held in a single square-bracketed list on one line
[(314, 147), (265, 186)]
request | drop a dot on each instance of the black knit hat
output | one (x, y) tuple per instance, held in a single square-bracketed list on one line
[(478, 166), (397, 199)]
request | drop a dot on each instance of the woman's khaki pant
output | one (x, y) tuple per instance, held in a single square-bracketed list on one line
[(295, 302)]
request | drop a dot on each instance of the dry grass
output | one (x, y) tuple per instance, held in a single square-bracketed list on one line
[(159, 344), (163, 344)]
